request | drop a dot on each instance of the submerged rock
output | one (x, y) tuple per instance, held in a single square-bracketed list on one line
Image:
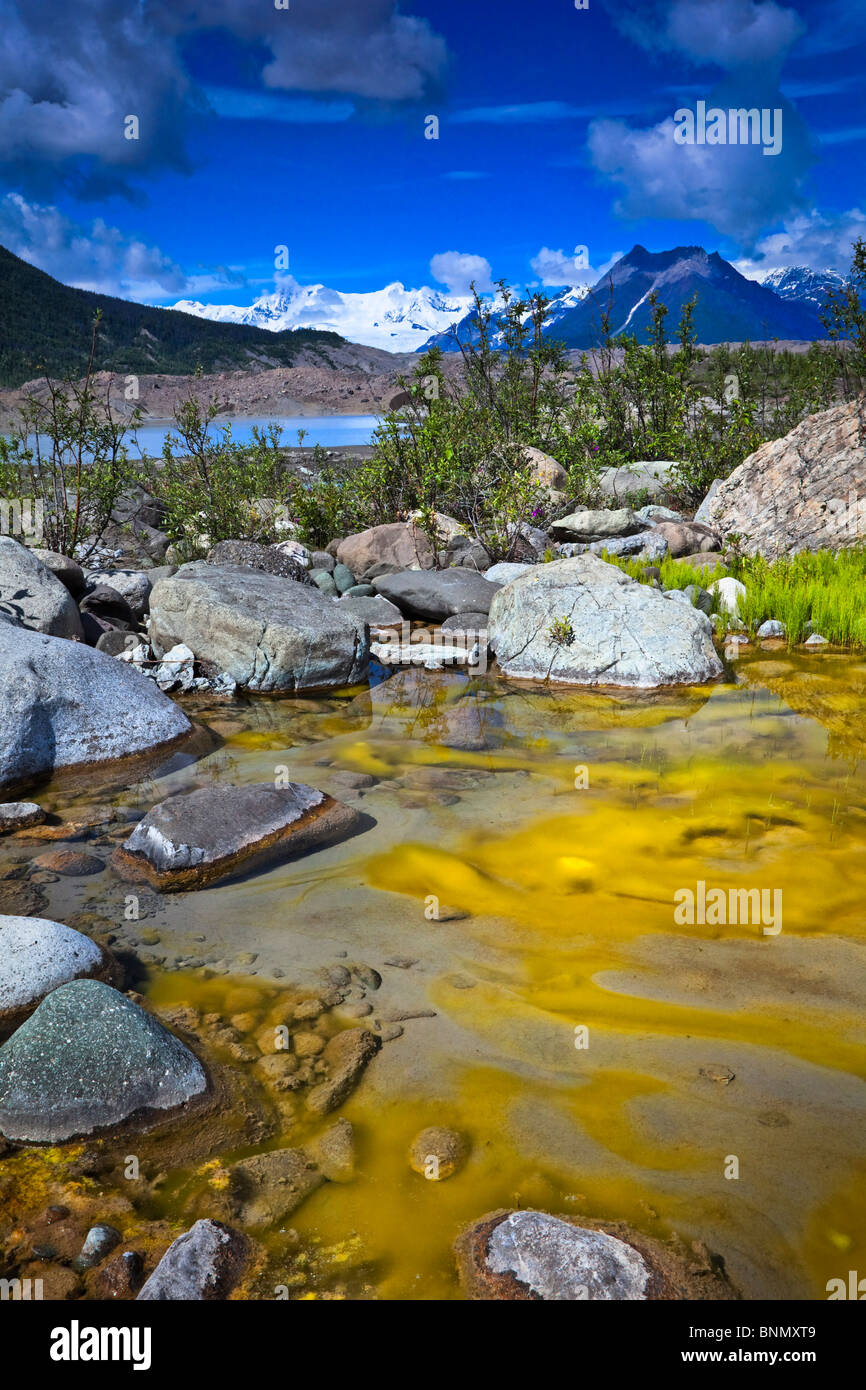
[(89, 1059), (64, 705), (437, 1153), (36, 956), (346, 1056), (200, 837), (30, 594), (204, 1263), (585, 622), (268, 1187), (522, 1256), (268, 633)]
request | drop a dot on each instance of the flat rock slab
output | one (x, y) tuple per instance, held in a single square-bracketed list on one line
[(198, 838), (37, 956), (531, 1256), (33, 596), (437, 594), (268, 633), (585, 622), (268, 1187), (87, 1060), (203, 1264), (63, 705)]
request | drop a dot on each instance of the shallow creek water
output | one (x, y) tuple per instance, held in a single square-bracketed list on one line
[(554, 837)]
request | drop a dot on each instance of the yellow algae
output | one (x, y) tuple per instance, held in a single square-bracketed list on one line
[(698, 1039)]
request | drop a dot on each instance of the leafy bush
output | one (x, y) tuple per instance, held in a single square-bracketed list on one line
[(67, 454), (216, 489)]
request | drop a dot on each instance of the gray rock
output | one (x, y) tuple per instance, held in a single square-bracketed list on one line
[(375, 610), (436, 594), (36, 956), (729, 592), (268, 559), (269, 634), (655, 513), (470, 557), (705, 510), (816, 640), (325, 582), (321, 560), (615, 631), (64, 705), (505, 571), (87, 1060), (343, 578), (398, 543), (558, 1262), (466, 622), (652, 478), (133, 585), (602, 525), (18, 815), (117, 640), (203, 1264), (771, 628), (32, 596), (359, 591), (687, 537), (70, 574), (646, 545), (200, 837), (99, 1242)]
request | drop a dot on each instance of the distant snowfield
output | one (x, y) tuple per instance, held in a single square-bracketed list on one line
[(394, 318)]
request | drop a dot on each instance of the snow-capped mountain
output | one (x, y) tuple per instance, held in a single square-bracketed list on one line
[(800, 283), (729, 307), (396, 319)]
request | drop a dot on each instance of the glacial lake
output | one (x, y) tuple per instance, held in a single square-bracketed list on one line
[(331, 431)]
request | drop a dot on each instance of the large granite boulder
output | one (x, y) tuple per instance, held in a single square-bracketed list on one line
[(68, 571), (33, 596), (268, 633), (89, 1059), (64, 705), (586, 622), (531, 1256), (437, 594), (399, 543), (200, 837), (36, 956), (802, 492)]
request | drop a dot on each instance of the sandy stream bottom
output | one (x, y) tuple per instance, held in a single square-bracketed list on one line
[(556, 907)]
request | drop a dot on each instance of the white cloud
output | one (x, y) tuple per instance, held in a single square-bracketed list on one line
[(102, 258), (815, 239), (558, 268), (730, 34), (457, 270)]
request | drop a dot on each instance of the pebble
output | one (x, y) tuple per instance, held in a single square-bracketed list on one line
[(99, 1242), (437, 1153)]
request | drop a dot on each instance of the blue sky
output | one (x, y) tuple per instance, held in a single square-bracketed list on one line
[(305, 127)]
